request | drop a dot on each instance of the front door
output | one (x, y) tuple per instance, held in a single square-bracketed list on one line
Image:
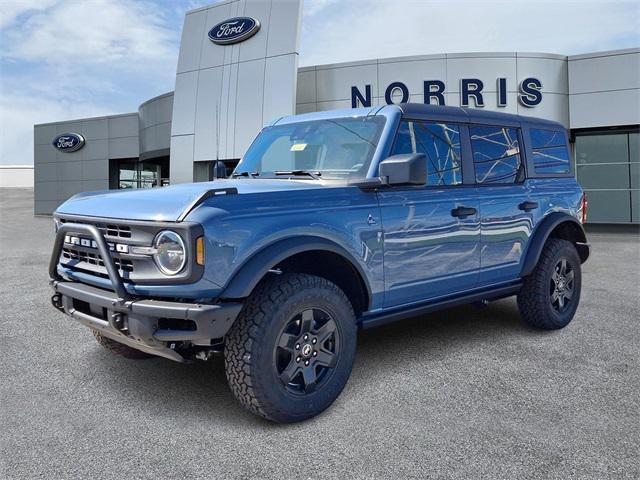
[(431, 232)]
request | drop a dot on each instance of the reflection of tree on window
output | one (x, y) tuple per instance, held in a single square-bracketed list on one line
[(496, 154), (550, 152), (441, 145), (445, 163)]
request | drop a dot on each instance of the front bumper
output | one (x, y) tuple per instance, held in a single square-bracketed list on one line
[(152, 326)]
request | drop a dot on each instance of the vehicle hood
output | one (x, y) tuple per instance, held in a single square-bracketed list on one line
[(168, 203)]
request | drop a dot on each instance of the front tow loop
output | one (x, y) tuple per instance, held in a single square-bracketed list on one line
[(56, 301)]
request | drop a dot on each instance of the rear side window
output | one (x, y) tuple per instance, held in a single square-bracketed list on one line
[(496, 155), (550, 152), (439, 142)]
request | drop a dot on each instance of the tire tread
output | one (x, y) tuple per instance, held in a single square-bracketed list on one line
[(248, 330), (532, 308)]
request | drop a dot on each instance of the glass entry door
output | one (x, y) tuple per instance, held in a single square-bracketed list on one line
[(131, 173), (149, 175)]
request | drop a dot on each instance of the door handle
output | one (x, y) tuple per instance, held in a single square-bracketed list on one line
[(528, 205), (463, 212)]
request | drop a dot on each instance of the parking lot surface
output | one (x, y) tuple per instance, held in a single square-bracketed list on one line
[(463, 393)]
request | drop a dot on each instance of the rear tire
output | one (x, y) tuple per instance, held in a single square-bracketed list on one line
[(290, 351), (119, 348), (550, 295)]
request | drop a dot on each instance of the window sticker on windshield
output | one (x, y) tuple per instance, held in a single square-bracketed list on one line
[(298, 147)]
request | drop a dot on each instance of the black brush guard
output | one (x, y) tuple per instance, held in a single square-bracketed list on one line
[(134, 322)]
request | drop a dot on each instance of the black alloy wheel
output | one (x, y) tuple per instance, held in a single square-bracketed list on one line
[(561, 285), (307, 350)]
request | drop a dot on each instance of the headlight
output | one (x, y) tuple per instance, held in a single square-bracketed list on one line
[(171, 256)]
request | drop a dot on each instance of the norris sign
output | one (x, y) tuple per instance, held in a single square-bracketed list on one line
[(529, 93)]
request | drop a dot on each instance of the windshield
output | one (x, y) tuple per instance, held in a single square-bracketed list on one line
[(330, 148)]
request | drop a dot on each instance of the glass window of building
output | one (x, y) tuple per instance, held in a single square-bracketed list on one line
[(130, 173), (607, 167), (441, 145), (634, 175), (496, 154)]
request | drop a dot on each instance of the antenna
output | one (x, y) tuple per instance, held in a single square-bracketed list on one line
[(217, 132)]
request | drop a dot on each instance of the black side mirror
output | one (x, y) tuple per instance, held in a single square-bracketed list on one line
[(404, 169), (218, 170)]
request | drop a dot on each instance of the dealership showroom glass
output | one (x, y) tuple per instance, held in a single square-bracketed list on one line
[(227, 89)]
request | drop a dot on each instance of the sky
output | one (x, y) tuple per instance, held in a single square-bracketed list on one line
[(66, 59)]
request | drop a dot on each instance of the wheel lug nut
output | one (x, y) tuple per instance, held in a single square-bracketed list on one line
[(306, 362), (306, 336), (298, 359), (297, 346), (315, 354), (314, 341)]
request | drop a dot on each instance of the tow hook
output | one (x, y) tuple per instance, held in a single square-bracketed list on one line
[(118, 322), (56, 301), (205, 355), (481, 303)]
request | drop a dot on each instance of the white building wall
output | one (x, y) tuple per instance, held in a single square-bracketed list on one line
[(154, 117), (225, 93), (605, 89), (325, 87), (16, 176)]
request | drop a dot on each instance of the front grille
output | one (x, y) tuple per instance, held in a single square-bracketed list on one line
[(80, 253), (95, 259), (109, 229)]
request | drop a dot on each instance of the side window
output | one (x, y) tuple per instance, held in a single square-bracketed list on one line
[(439, 142), (496, 154), (550, 152)]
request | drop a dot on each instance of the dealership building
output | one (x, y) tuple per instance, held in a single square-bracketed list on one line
[(238, 70)]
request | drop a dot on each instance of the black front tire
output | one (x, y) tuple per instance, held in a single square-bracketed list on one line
[(119, 348), (281, 370), (550, 295)]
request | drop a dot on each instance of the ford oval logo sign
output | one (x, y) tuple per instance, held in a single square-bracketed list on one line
[(234, 30), (68, 142)]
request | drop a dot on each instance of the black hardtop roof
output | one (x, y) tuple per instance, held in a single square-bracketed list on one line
[(472, 115)]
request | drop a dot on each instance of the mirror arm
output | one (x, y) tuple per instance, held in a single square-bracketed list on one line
[(369, 184)]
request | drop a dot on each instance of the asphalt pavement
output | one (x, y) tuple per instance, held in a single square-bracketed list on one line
[(464, 393)]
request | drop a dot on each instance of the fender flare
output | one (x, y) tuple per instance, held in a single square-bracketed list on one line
[(542, 233), (245, 279)]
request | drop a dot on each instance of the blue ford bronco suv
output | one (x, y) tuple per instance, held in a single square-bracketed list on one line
[(331, 221)]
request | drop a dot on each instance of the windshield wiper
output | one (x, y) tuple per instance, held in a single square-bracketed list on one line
[(314, 175), (245, 174)]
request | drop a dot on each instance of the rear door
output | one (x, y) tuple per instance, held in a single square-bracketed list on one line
[(506, 209), (431, 232), (550, 179)]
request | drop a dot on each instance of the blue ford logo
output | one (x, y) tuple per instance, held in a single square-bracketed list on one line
[(68, 142), (234, 30)]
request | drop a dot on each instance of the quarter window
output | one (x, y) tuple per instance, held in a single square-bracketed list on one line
[(496, 155), (439, 142), (550, 152)]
